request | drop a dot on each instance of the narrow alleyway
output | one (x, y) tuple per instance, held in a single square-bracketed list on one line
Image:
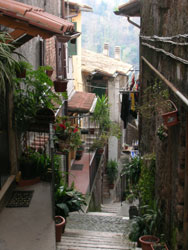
[(105, 230)]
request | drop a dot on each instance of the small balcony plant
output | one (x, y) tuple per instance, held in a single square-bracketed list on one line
[(67, 135), (112, 171)]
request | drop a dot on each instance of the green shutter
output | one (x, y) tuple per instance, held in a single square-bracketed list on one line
[(72, 44)]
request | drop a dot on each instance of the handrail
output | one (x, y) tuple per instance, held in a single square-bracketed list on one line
[(168, 83)]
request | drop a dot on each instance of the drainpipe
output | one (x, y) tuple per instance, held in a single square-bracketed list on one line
[(63, 9), (135, 24)]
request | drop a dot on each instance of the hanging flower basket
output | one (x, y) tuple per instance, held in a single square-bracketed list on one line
[(170, 118), (60, 85), (67, 136)]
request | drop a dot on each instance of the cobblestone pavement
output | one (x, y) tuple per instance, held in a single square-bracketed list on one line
[(106, 230), (98, 223)]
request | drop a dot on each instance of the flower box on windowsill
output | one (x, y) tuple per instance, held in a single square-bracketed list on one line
[(60, 85)]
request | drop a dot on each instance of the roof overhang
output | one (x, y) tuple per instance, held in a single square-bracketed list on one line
[(130, 9), (79, 7), (82, 102), (29, 21)]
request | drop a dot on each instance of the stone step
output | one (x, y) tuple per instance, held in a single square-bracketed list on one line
[(92, 240)]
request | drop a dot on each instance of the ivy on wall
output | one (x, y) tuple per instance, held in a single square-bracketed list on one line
[(147, 180)]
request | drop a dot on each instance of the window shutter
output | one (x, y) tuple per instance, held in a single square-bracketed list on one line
[(60, 59), (72, 44)]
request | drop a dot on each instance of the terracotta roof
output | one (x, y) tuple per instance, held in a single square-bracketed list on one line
[(132, 9), (99, 63), (81, 102), (79, 7), (32, 20)]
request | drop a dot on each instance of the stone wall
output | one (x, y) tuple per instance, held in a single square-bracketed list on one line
[(167, 18)]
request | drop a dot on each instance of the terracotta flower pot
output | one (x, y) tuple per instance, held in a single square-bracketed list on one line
[(100, 151), (159, 247), (59, 227), (60, 85), (147, 241), (49, 72), (21, 74)]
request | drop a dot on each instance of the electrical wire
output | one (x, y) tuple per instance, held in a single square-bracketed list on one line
[(166, 53), (164, 41)]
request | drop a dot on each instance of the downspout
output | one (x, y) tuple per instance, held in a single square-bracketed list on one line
[(135, 24)]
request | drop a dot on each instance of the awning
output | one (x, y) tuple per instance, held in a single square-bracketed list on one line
[(130, 9), (82, 102), (29, 21)]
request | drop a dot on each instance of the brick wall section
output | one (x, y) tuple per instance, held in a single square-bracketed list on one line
[(50, 54)]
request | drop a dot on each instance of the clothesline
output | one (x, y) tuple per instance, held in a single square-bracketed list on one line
[(129, 91)]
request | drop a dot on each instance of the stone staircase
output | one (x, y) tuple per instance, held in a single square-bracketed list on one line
[(104, 230)]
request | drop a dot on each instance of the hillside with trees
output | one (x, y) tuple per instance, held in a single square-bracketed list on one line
[(102, 25)]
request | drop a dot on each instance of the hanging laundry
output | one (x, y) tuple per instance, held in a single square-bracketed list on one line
[(125, 109), (132, 82), (132, 96)]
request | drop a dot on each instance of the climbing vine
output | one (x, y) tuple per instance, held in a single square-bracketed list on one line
[(147, 180)]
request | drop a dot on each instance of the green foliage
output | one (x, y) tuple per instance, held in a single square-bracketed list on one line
[(67, 199), (132, 171), (150, 222), (7, 61), (112, 170), (146, 182), (162, 132), (30, 94), (101, 113), (154, 100)]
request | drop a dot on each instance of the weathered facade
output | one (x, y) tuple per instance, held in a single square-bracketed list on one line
[(163, 57), (163, 45)]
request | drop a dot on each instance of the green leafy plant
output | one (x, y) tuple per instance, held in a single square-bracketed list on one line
[(99, 142), (149, 222), (112, 171), (132, 171), (8, 63), (146, 182), (67, 133), (67, 200), (30, 94), (154, 100), (162, 132)]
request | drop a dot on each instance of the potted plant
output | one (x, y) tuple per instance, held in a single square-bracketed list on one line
[(59, 227), (79, 152), (99, 143), (67, 136), (60, 85), (68, 199), (112, 171), (29, 164), (49, 71), (21, 69), (147, 241), (33, 92), (170, 116)]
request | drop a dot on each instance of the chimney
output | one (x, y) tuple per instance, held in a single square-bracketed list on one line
[(106, 49), (117, 53)]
